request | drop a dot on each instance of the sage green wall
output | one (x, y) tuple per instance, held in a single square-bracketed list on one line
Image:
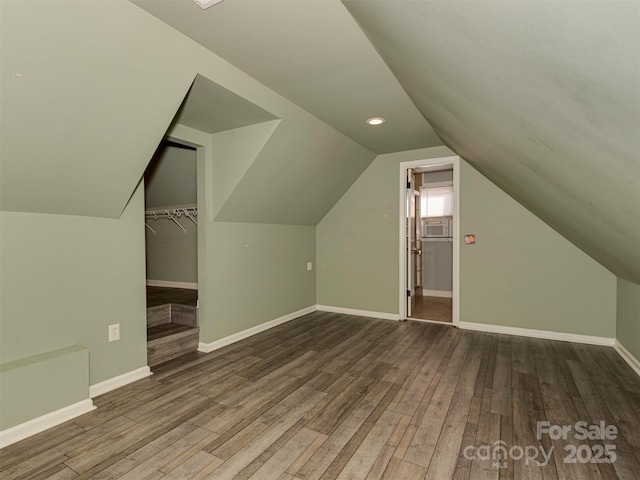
[(171, 254), (257, 273), (628, 316), (248, 273), (43, 383), (66, 278), (170, 178), (520, 274), (357, 241)]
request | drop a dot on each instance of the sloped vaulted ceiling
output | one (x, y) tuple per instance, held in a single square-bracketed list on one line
[(541, 97)]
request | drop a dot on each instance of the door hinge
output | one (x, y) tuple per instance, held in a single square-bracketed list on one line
[(408, 184), (408, 293)]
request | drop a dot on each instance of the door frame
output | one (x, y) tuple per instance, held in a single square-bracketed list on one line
[(402, 291)]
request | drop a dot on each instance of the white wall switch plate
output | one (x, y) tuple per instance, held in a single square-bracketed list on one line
[(309, 266), (114, 332)]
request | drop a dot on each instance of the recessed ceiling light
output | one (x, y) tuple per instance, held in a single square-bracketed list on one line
[(206, 3), (376, 121)]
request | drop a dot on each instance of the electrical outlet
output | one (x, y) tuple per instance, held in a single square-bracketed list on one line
[(114, 332), (309, 266)]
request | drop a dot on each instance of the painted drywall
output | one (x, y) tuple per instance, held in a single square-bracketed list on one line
[(171, 254), (257, 273), (248, 273), (628, 316), (235, 151), (542, 97), (170, 178), (102, 82), (520, 274), (65, 279), (357, 241), (297, 177), (41, 384)]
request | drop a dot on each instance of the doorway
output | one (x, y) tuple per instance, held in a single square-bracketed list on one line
[(429, 240), (171, 246)]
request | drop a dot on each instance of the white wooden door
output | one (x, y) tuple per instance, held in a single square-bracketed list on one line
[(410, 229)]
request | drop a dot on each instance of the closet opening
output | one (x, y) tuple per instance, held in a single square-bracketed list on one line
[(429, 256), (171, 246)]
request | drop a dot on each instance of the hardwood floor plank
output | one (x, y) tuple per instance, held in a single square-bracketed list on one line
[(306, 455), (316, 466), (370, 448), (400, 469), (445, 456), (424, 441), (380, 465), (251, 451), (346, 453), (332, 396), (501, 387), (193, 465), (282, 460)]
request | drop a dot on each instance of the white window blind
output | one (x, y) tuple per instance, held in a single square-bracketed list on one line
[(436, 201)]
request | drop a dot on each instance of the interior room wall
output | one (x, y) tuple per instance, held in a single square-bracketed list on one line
[(357, 241), (257, 273), (170, 178), (628, 316), (69, 273), (249, 273), (65, 279), (170, 181), (520, 273)]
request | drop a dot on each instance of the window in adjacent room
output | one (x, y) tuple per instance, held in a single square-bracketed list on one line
[(436, 201)]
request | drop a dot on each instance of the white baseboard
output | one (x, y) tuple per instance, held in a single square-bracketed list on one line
[(40, 424), (627, 357), (437, 293), (236, 337), (546, 334), (359, 313), (119, 381), (169, 284)]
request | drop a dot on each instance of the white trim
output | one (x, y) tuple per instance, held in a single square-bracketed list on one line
[(170, 284), (44, 422), (424, 320), (119, 381), (359, 313), (236, 337), (627, 357), (546, 334), (437, 293), (453, 160)]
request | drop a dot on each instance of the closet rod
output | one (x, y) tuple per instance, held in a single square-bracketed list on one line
[(190, 212)]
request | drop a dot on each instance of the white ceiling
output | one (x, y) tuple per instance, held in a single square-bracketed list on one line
[(312, 53)]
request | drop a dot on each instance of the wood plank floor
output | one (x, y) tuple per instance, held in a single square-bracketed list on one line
[(164, 295), (330, 396), (433, 308)]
